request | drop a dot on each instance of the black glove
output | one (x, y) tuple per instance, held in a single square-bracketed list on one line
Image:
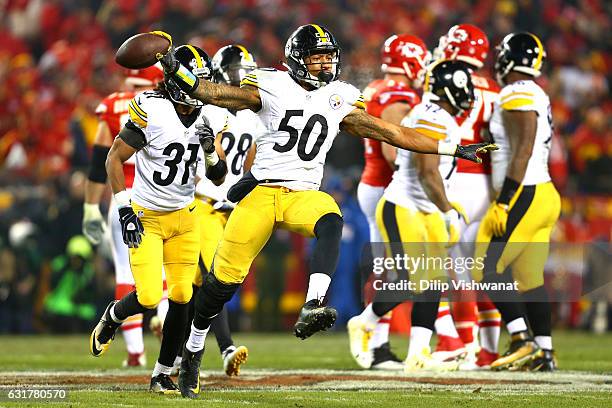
[(206, 137), (131, 227), (177, 74), (470, 152)]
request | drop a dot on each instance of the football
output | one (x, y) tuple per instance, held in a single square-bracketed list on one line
[(139, 50)]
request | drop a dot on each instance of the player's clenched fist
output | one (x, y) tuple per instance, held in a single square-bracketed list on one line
[(131, 227)]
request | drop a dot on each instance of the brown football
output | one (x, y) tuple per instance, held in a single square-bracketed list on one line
[(139, 50)]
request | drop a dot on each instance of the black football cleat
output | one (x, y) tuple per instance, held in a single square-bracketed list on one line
[(189, 373), (163, 384), (313, 318), (103, 334), (385, 359), (543, 360)]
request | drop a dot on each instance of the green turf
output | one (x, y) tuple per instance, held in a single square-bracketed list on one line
[(303, 399), (575, 351)]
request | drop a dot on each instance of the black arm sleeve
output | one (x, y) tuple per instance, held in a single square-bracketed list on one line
[(217, 171), (97, 169), (133, 136)]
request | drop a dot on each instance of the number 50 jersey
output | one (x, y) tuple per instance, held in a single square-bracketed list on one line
[(169, 153), (300, 126)]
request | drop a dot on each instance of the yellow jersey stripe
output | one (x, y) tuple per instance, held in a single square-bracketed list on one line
[(133, 106), (513, 94), (246, 81), (430, 133), (195, 55), (516, 103), (246, 55), (138, 109), (252, 77), (359, 104), (136, 118), (428, 123), (538, 63), (321, 32)]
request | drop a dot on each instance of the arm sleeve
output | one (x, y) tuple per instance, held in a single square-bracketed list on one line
[(133, 136)]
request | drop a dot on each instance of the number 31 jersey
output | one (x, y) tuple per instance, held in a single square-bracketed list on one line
[(300, 127), (242, 130), (170, 152)]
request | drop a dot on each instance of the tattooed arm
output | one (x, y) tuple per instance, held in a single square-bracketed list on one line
[(229, 97)]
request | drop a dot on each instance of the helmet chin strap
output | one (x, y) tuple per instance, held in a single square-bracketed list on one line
[(325, 76)]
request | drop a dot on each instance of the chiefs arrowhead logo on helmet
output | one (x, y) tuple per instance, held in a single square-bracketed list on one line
[(463, 42)]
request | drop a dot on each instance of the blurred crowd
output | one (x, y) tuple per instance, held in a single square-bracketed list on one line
[(57, 63)]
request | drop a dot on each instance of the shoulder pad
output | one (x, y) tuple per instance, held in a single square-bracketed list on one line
[(517, 96), (427, 119)]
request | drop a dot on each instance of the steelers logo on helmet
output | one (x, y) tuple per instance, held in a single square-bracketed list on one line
[(305, 42), (451, 81), (198, 62)]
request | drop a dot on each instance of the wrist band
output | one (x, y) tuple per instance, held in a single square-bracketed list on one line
[(508, 191), (122, 199), (447, 149)]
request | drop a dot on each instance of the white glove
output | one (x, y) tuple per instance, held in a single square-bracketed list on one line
[(452, 220), (94, 226)]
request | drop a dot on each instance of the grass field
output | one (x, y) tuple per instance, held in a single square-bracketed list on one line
[(286, 372)]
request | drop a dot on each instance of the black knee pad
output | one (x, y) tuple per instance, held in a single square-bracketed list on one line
[(212, 296), (330, 225)]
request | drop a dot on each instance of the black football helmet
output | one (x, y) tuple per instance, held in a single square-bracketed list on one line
[(309, 40), (197, 61), (450, 81), (521, 52), (231, 63)]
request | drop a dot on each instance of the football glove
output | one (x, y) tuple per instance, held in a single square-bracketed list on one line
[(131, 227), (470, 152), (93, 225), (452, 221), (206, 137), (177, 74), (497, 218)]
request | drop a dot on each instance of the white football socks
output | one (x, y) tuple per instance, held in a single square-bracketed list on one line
[(318, 284), (545, 342), (196, 339), (369, 316), (517, 325), (419, 339), (161, 369)]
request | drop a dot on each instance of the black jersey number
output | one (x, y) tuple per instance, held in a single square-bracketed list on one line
[(303, 138), (176, 152), (228, 140)]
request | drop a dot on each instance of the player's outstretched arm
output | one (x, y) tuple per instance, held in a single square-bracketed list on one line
[(222, 95), (361, 124)]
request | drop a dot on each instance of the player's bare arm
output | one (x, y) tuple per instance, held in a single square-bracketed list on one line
[(221, 154), (428, 169), (102, 141), (393, 113), (119, 153), (227, 96), (361, 124), (250, 158), (521, 127)]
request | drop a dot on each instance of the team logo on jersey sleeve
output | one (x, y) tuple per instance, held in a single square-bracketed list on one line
[(335, 101)]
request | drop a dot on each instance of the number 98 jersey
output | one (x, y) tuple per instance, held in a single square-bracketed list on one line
[(169, 153), (300, 126), (242, 130)]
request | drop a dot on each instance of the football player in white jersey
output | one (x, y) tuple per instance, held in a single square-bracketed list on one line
[(303, 110), (415, 208), (159, 216), (517, 226), (113, 113), (230, 65)]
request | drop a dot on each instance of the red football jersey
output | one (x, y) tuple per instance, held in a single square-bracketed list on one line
[(114, 111), (377, 95), (476, 121)]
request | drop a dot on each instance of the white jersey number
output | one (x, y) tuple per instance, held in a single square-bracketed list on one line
[(303, 138), (177, 150)]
